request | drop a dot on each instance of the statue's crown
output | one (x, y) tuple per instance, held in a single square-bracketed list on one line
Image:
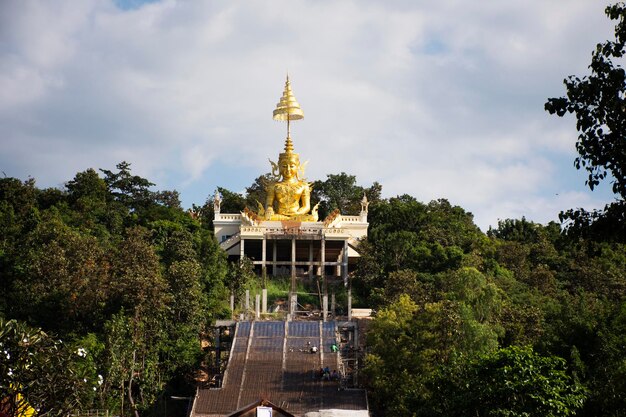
[(288, 109)]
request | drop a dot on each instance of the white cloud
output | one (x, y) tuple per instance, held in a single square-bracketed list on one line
[(437, 100)]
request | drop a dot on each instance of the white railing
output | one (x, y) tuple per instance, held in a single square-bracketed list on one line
[(228, 216), (279, 231), (252, 229)]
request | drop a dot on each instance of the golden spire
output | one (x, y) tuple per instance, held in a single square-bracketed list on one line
[(288, 109)]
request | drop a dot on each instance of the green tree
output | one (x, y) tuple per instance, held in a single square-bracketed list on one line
[(256, 193), (132, 191), (240, 274), (138, 335), (87, 184), (214, 263), (340, 191), (419, 286), (406, 234), (514, 382), (188, 308), (408, 342), (63, 278), (40, 372), (598, 102)]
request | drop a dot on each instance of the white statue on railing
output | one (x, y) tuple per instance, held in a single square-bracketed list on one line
[(364, 205), (217, 202)]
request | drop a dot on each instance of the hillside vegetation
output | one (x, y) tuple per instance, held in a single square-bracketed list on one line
[(107, 286)]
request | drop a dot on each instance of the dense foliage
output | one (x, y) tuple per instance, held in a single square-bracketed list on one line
[(114, 271), (521, 321), (116, 282)]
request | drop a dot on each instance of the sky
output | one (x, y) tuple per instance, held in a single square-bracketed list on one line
[(436, 99)]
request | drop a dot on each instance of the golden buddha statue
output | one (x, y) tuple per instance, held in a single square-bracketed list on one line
[(289, 196)]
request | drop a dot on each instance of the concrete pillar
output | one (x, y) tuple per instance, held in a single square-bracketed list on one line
[(274, 257), (293, 305), (344, 263), (325, 307), (322, 272), (346, 280), (293, 275), (310, 259), (264, 303), (349, 301), (232, 302), (323, 263), (241, 248), (257, 306), (217, 348), (264, 261), (293, 260)]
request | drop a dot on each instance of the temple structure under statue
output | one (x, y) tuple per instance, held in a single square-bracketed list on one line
[(307, 365), (285, 237)]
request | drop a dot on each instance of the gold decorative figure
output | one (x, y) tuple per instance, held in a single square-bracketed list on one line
[(289, 195)]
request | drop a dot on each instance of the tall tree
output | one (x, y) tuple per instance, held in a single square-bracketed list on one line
[(141, 290), (340, 191), (131, 190), (599, 102), (515, 382), (408, 342)]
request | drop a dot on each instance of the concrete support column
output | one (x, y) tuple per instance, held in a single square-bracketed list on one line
[(322, 272), (349, 301), (344, 263), (310, 259), (241, 248), (264, 302), (325, 308), (264, 261), (257, 306), (293, 304), (273, 258), (293, 260), (232, 304), (346, 280), (217, 348)]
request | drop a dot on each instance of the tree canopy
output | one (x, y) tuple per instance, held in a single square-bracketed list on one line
[(110, 269), (599, 102), (521, 318)]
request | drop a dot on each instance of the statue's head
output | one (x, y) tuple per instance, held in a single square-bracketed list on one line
[(288, 165)]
